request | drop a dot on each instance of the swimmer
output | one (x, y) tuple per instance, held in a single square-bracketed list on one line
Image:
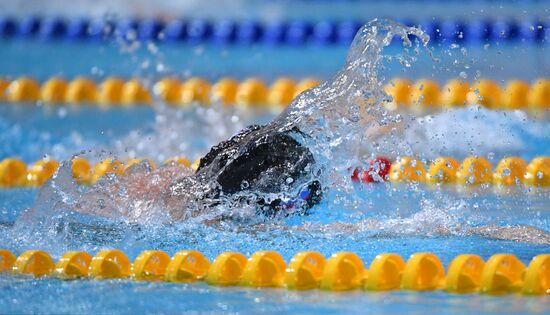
[(261, 161), (268, 166)]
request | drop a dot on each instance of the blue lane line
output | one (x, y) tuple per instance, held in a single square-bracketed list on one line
[(296, 32)]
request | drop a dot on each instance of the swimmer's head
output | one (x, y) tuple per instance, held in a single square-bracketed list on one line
[(263, 162)]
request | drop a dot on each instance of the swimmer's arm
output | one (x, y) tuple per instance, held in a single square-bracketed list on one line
[(519, 233)]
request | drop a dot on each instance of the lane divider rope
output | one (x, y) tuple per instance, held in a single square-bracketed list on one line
[(472, 171), (246, 32), (115, 91), (421, 95), (343, 271)]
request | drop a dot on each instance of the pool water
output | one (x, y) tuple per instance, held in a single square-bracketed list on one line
[(123, 296), (127, 296), (410, 214), (497, 60), (415, 210)]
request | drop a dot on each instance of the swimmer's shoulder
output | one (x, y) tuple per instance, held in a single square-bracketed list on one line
[(226, 146)]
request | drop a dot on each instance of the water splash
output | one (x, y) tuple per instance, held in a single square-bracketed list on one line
[(336, 121), (346, 112), (193, 131)]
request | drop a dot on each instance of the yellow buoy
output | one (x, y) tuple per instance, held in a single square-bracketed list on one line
[(264, 269), (454, 93), (537, 172), (110, 263), (464, 275), (225, 91), (423, 271), (537, 276), (538, 97), (108, 165), (304, 271), (251, 92), (343, 271), (510, 171), (502, 274), (384, 273), (3, 88), (7, 259), (485, 92), (407, 168), (168, 89), (425, 93), (54, 90), (281, 92), (81, 170), (110, 91), (400, 91), (23, 89), (35, 262), (226, 269), (133, 92), (41, 171), (304, 85), (180, 160), (81, 90), (442, 170), (13, 172), (187, 266), (195, 90), (474, 170), (73, 265), (150, 265), (515, 94)]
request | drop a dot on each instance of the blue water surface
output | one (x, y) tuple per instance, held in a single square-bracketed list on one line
[(30, 131)]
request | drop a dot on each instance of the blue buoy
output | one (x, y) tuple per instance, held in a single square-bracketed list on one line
[(346, 31), (478, 30), (298, 32), (531, 30), (149, 29), (324, 32), (504, 30), (53, 28), (126, 29), (198, 30), (175, 30), (100, 29), (8, 26), (224, 31), (249, 32), (295, 32), (77, 28), (28, 26), (275, 32), (431, 28), (451, 30)]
